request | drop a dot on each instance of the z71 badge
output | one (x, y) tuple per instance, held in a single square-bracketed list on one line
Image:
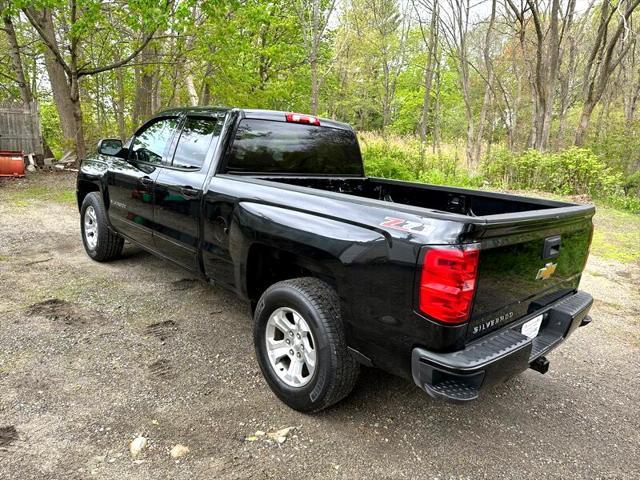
[(405, 225)]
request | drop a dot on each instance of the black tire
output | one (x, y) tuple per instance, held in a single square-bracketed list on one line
[(109, 244), (336, 370)]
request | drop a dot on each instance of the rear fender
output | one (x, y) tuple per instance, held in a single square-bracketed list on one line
[(331, 246)]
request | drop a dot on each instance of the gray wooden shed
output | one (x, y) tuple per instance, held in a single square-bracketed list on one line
[(20, 128)]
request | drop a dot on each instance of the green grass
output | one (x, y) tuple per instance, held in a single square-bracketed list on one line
[(31, 193), (616, 235)]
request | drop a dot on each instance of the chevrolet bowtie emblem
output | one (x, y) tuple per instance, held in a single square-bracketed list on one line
[(545, 272)]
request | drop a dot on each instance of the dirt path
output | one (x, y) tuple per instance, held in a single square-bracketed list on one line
[(93, 355)]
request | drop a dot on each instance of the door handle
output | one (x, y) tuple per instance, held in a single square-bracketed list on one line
[(146, 181), (189, 191), (551, 247)]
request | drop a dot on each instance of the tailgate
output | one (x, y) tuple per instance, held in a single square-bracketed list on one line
[(527, 263)]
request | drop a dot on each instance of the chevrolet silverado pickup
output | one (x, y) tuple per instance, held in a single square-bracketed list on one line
[(456, 289)]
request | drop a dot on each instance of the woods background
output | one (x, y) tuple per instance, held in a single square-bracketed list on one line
[(523, 94)]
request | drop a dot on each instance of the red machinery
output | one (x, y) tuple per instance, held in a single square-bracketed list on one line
[(11, 163)]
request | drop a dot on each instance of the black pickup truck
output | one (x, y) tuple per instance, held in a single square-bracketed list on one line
[(457, 289)]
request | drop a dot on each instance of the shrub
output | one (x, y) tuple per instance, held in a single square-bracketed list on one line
[(401, 158), (631, 184), (575, 171)]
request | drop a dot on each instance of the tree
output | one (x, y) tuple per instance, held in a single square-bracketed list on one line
[(606, 54), (456, 24), (20, 78), (68, 35), (314, 17), (489, 80), (430, 37)]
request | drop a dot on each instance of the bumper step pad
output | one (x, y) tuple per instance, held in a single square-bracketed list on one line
[(458, 376), (453, 390)]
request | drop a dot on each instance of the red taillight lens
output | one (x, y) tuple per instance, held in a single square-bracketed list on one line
[(447, 283), (300, 118)]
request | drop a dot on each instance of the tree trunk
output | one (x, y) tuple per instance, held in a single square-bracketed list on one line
[(436, 119), (205, 92), (191, 90), (314, 84), (486, 103), (122, 133), (429, 73), (142, 107), (551, 74), (14, 52), (77, 115), (59, 86), (583, 125), (313, 54)]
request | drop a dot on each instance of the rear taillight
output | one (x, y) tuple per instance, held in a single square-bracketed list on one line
[(300, 118), (447, 283)]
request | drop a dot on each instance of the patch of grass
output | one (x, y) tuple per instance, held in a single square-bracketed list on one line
[(31, 193), (616, 235)]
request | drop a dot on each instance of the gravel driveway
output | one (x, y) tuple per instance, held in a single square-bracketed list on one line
[(94, 355)]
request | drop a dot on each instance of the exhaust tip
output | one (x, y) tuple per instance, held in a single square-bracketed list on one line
[(540, 364)]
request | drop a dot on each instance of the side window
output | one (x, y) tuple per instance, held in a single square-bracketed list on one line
[(195, 138), (150, 144)]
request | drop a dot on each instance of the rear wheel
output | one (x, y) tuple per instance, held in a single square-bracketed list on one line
[(99, 241), (300, 344)]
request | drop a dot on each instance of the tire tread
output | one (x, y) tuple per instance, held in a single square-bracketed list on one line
[(110, 244), (323, 299)]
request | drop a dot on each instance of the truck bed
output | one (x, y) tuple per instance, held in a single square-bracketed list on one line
[(472, 203), (514, 233)]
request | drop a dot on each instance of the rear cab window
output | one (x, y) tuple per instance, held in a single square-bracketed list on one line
[(267, 146)]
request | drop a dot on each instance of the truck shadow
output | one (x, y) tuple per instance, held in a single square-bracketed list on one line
[(379, 394)]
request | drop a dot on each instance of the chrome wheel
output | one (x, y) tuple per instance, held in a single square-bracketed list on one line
[(91, 227), (291, 347)]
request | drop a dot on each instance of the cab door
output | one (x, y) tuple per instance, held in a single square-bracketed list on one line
[(132, 181), (178, 191)]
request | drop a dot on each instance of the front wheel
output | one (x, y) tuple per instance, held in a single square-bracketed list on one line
[(99, 241), (300, 344)]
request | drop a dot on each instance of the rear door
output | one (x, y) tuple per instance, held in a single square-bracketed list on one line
[(524, 266), (178, 191), (131, 182)]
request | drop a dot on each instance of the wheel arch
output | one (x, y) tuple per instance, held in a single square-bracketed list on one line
[(84, 187), (281, 243)]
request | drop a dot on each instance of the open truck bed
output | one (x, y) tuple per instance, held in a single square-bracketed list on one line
[(472, 203)]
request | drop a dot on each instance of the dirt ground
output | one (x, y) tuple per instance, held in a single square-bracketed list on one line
[(93, 355)]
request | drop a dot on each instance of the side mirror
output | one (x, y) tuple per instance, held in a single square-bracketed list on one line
[(109, 146)]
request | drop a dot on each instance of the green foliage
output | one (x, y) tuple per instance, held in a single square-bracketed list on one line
[(250, 54), (50, 125), (575, 171), (631, 184), (618, 144), (403, 158)]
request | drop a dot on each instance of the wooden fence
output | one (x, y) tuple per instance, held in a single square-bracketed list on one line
[(20, 129)]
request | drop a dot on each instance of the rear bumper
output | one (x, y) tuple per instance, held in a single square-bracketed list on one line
[(458, 376)]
